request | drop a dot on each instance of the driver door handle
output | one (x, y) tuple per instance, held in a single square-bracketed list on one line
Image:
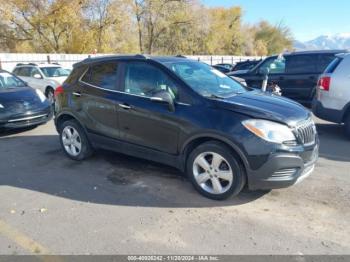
[(125, 106), (78, 94)]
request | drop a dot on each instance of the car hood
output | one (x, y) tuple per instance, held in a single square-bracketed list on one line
[(258, 104), (20, 100), (17, 94), (239, 73)]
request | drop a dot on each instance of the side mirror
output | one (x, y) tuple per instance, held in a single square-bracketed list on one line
[(37, 76), (164, 97), (263, 71)]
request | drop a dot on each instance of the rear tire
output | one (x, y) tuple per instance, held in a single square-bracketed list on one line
[(215, 171), (74, 141)]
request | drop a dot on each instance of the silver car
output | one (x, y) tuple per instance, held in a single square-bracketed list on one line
[(332, 101), (46, 77)]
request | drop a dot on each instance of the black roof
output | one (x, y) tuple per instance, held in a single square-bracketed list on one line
[(133, 57), (311, 52)]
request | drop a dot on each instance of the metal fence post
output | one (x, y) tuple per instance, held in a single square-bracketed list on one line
[(0, 64), (211, 60), (222, 60), (231, 60), (48, 59)]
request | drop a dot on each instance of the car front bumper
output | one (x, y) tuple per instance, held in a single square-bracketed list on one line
[(284, 169), (28, 119)]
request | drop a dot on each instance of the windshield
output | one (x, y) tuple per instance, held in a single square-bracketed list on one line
[(206, 80), (54, 71), (10, 81)]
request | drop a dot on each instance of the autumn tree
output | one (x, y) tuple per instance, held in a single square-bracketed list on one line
[(134, 26)]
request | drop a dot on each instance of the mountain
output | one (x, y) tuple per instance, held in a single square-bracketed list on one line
[(338, 41)]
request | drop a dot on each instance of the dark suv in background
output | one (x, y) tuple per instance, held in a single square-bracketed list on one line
[(295, 73), (188, 115)]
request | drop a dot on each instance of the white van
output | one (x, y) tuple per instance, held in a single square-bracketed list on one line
[(332, 101)]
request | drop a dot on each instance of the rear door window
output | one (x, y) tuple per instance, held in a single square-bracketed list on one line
[(24, 71), (333, 65), (323, 61), (301, 64), (103, 75)]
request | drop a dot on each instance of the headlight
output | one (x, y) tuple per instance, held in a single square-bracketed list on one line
[(269, 131), (1, 106), (40, 95)]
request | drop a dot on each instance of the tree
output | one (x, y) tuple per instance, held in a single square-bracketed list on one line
[(276, 38), (131, 26), (155, 17), (49, 26)]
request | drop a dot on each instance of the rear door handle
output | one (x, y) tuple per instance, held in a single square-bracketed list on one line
[(125, 106), (78, 94)]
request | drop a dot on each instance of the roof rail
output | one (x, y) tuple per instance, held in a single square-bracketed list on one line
[(142, 56), (20, 64), (181, 56)]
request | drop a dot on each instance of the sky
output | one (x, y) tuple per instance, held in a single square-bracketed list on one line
[(307, 19)]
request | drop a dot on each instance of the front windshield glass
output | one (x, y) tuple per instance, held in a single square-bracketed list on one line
[(205, 80), (54, 71), (9, 81)]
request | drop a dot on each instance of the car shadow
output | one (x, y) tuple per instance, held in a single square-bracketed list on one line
[(334, 145), (37, 163), (9, 132)]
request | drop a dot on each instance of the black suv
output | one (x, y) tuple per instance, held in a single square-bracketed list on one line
[(188, 115), (295, 73)]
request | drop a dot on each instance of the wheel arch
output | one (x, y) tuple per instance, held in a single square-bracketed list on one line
[(195, 141), (47, 88), (346, 112), (65, 116)]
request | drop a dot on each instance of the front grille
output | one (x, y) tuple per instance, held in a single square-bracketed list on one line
[(306, 132)]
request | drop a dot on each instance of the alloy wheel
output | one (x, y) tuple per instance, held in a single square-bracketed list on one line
[(71, 141), (212, 172)]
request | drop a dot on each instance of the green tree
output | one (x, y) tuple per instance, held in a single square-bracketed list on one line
[(275, 38)]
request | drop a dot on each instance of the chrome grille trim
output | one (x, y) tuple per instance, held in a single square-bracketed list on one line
[(26, 118), (305, 132)]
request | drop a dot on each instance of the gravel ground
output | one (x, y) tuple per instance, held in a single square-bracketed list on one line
[(114, 204)]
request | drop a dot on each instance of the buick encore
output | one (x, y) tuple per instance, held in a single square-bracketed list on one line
[(186, 114)]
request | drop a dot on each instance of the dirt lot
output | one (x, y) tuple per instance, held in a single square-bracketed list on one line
[(113, 204)]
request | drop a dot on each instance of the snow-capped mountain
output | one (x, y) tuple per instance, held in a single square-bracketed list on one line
[(338, 41)]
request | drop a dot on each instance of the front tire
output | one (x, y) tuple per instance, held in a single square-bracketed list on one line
[(74, 141), (50, 94), (215, 171), (347, 125)]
